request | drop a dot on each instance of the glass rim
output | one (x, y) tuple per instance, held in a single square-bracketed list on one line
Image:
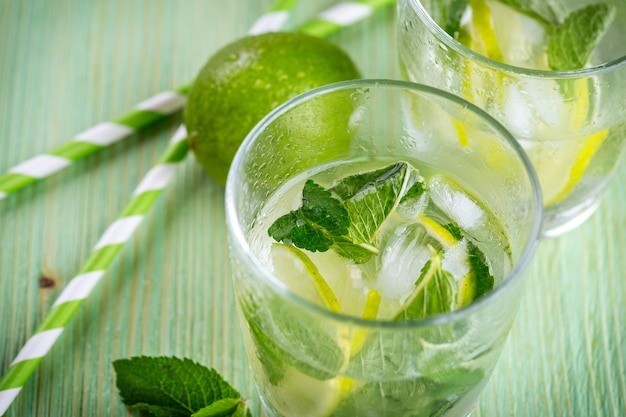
[(452, 43), (240, 243)]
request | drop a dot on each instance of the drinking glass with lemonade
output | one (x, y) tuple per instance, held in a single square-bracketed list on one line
[(380, 278), (553, 72)]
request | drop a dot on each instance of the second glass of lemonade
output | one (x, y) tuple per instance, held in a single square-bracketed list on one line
[(378, 232), (553, 72)]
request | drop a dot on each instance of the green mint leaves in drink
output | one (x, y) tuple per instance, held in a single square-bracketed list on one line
[(316, 225), (435, 291), (573, 41), (429, 247), (567, 43), (371, 197), (347, 216), (319, 355), (172, 387), (399, 241), (451, 14), (417, 397)]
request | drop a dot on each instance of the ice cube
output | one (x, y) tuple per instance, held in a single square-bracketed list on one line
[(522, 39), (455, 260), (531, 107), (455, 203), (517, 113), (402, 260)]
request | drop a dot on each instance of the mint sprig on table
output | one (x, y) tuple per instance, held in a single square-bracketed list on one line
[(347, 216), (173, 387)]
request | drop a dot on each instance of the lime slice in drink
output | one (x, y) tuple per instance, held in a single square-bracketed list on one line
[(560, 165), (301, 275), (568, 143), (315, 397), (484, 31), (443, 235), (457, 257), (370, 312)]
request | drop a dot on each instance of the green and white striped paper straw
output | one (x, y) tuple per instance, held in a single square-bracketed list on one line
[(111, 242), (92, 270), (103, 254), (342, 15), (149, 111), (145, 113), (165, 103), (274, 19)]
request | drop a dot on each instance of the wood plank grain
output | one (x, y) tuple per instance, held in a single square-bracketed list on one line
[(68, 64)]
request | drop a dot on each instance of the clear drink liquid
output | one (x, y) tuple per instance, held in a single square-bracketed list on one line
[(365, 373), (573, 127)]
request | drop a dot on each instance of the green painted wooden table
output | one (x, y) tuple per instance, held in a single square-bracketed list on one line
[(66, 65)]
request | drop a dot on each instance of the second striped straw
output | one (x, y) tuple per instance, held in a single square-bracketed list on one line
[(166, 103)]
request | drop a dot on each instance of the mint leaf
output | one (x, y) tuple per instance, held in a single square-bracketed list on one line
[(416, 397), (450, 15), (454, 230), (168, 386), (316, 224), (242, 411), (401, 398), (227, 407), (347, 216), (414, 193), (573, 42), (435, 292), (270, 355), (284, 338), (158, 410), (375, 195), (349, 250), (350, 186), (478, 264)]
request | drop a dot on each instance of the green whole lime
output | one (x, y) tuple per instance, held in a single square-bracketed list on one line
[(247, 79)]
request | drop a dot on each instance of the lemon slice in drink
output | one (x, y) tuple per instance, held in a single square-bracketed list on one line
[(302, 276), (474, 283), (560, 166), (571, 159), (484, 31), (315, 397), (299, 272)]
